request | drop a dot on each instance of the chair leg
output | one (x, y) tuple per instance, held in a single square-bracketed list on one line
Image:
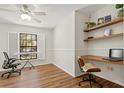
[(9, 74), (90, 76), (94, 81), (83, 80), (4, 74), (80, 83), (19, 72), (91, 79)]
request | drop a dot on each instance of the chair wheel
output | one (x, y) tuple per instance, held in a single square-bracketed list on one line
[(20, 73), (2, 75), (101, 86), (8, 76), (79, 84)]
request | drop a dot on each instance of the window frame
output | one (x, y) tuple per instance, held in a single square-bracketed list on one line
[(26, 47)]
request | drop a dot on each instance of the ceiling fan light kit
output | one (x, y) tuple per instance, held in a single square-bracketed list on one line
[(25, 17)]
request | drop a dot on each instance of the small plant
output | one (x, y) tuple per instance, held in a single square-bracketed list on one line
[(90, 24), (118, 6), (121, 11)]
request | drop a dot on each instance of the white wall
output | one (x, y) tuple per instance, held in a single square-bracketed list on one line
[(64, 44), (80, 45), (5, 28), (101, 47)]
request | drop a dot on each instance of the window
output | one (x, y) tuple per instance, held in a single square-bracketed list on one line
[(28, 43)]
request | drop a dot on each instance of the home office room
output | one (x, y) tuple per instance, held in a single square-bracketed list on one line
[(61, 46)]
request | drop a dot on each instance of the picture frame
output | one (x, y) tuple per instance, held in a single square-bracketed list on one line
[(107, 18), (100, 21), (107, 32)]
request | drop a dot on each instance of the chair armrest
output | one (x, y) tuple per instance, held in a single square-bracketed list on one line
[(16, 64), (12, 60)]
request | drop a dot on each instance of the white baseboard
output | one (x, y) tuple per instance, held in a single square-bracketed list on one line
[(64, 70)]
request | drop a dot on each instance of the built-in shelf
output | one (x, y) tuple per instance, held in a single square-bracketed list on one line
[(115, 21), (103, 37)]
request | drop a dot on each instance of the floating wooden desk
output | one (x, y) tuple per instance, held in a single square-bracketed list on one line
[(100, 59)]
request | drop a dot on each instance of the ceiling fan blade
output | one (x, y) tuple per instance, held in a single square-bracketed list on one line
[(8, 10), (37, 20), (38, 13), (34, 18)]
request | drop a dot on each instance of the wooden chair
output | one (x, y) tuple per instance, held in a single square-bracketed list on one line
[(88, 68)]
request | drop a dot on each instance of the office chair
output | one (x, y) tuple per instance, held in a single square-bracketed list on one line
[(9, 63), (88, 68)]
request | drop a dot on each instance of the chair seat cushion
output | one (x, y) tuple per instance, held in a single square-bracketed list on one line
[(88, 67)]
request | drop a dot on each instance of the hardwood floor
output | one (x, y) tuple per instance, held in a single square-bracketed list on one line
[(48, 76)]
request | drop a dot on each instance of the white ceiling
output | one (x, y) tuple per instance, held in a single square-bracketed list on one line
[(55, 13)]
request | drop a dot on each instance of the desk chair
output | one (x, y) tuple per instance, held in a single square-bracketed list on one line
[(88, 68), (9, 63)]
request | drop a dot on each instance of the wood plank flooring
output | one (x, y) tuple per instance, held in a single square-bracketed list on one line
[(48, 76)]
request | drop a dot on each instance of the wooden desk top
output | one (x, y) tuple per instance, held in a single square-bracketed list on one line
[(100, 59)]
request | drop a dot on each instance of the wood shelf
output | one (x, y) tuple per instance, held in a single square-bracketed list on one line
[(104, 37), (115, 21), (100, 59)]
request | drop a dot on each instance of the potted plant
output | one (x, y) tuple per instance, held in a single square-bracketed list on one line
[(121, 11), (90, 24)]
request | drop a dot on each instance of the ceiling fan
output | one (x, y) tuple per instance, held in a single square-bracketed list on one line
[(26, 13)]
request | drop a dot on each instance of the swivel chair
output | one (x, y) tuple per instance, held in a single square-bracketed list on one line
[(9, 63), (88, 68)]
